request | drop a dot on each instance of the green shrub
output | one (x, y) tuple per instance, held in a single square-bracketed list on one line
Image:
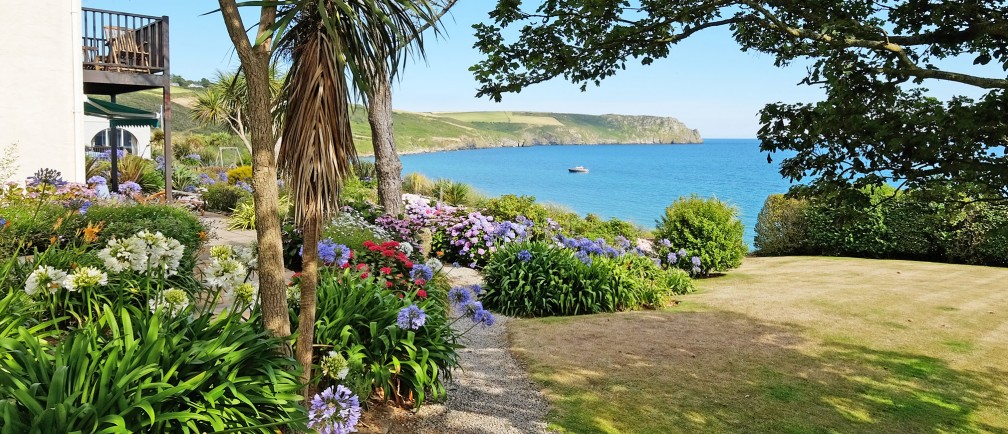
[(243, 216), (366, 170), (981, 237), (240, 174), (709, 227), (781, 226), (553, 281), (356, 317), (224, 198), (53, 223), (141, 171)]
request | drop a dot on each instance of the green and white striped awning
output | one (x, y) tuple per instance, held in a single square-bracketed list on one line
[(120, 115)]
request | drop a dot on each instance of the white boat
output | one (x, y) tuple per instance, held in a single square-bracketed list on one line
[(578, 169)]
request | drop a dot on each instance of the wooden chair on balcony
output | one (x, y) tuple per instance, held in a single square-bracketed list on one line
[(125, 54)]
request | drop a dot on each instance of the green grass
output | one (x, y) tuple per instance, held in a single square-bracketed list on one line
[(773, 347)]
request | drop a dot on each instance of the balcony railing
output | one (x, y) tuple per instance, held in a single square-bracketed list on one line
[(121, 42)]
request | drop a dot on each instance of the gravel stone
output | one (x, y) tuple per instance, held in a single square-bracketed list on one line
[(491, 393)]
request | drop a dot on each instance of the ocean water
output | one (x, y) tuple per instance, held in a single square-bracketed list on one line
[(631, 182)]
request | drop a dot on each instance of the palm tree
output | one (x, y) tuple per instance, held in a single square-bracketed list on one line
[(330, 44), (225, 99)]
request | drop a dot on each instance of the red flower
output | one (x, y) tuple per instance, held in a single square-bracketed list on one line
[(391, 244), (361, 266), (400, 295), (407, 263), (386, 270), (346, 265), (421, 293), (389, 285), (369, 243), (374, 248), (363, 275), (388, 254), (421, 282)]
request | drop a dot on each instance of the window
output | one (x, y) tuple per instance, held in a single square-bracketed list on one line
[(101, 141)]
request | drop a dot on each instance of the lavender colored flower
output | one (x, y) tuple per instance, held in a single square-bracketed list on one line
[(422, 271), (189, 189), (695, 260), (665, 242), (78, 204), (194, 157), (682, 253), (100, 180), (476, 288), (334, 411), (470, 308), (584, 257), (483, 317), (222, 176), (46, 177), (160, 161), (672, 258), (205, 179), (129, 187), (244, 186), (411, 318), (524, 256), (3, 222), (459, 295), (331, 253)]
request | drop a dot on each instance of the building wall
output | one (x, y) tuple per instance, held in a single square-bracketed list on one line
[(41, 84), (94, 125)]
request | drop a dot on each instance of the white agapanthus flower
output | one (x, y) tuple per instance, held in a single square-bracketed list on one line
[(222, 252), (161, 253), (406, 248), (245, 294), (143, 252), (119, 255), (224, 273), (249, 256), (171, 301), (44, 277), (294, 295), (85, 277), (434, 264), (335, 366)]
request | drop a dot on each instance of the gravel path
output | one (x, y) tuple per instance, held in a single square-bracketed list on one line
[(491, 393)]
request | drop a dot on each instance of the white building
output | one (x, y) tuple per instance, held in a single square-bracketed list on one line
[(56, 53)]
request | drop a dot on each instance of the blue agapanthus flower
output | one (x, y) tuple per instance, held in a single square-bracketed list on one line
[(244, 186), (459, 295), (695, 260), (334, 411), (3, 222), (129, 187), (331, 253), (421, 271), (46, 177), (672, 258), (483, 317), (205, 179), (524, 255), (411, 318), (100, 180)]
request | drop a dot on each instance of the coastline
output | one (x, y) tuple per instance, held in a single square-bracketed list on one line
[(470, 146)]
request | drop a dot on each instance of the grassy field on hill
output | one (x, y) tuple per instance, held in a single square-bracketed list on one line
[(425, 132), (788, 345)]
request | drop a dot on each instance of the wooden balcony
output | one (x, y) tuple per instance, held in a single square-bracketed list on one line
[(123, 52)]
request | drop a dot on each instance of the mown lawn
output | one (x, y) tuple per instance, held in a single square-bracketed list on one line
[(790, 345)]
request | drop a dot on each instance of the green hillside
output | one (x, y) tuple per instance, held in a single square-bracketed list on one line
[(424, 132)]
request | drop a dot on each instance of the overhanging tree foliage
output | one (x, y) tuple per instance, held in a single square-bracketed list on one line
[(875, 125)]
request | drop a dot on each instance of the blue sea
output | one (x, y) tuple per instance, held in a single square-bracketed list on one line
[(631, 182)]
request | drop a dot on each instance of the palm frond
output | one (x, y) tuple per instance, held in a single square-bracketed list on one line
[(316, 151)]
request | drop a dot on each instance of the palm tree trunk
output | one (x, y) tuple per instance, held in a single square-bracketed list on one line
[(309, 285), (387, 162)]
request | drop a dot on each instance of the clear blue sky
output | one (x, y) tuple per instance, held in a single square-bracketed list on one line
[(706, 82)]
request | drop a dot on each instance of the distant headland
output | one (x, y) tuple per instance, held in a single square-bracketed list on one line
[(417, 132)]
